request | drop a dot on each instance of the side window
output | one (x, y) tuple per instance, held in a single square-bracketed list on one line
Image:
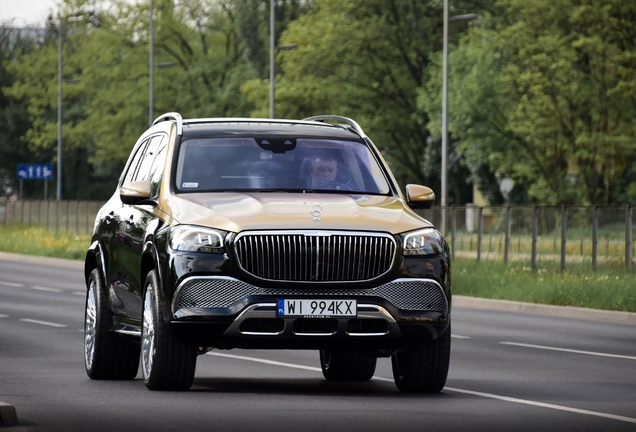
[(134, 164), (143, 173), (156, 171)]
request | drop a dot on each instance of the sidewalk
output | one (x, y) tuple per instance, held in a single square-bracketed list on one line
[(545, 310)]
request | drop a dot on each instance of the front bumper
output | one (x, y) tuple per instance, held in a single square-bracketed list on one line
[(224, 312), (213, 304)]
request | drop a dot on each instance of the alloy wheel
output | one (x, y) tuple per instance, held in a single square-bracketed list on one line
[(148, 333), (90, 326)]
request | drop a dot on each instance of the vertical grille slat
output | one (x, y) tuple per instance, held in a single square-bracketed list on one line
[(349, 262), (320, 257), (279, 258), (304, 253), (367, 255)]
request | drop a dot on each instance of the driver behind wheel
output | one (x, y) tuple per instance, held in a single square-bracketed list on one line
[(324, 169)]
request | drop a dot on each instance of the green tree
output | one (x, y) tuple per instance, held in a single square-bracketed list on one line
[(252, 21), (36, 84), (365, 60), (544, 92), (14, 121), (200, 37), (107, 110)]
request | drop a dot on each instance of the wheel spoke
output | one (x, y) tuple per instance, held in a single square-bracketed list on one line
[(90, 325), (148, 340)]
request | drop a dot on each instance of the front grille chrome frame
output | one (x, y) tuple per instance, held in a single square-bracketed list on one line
[(316, 256)]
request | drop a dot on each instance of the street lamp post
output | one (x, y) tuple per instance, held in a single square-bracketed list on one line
[(271, 59), (272, 51), (60, 46), (466, 17), (59, 110), (151, 67), (272, 77)]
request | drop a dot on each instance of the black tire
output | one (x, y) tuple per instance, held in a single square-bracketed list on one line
[(347, 365), (107, 356), (423, 368), (167, 363)]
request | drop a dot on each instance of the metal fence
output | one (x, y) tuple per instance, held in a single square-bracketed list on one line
[(598, 235), (73, 216)]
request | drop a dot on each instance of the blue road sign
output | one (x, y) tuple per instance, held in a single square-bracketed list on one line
[(35, 171)]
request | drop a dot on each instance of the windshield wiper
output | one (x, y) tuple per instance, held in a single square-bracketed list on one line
[(259, 190)]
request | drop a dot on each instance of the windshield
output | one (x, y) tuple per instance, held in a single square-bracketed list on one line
[(288, 164)]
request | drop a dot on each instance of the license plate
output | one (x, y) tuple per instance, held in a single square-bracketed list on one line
[(310, 308)]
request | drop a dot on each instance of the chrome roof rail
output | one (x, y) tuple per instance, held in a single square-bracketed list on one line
[(171, 115), (355, 126), (321, 118), (240, 120)]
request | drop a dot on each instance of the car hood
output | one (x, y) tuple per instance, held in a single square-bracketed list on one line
[(238, 212)]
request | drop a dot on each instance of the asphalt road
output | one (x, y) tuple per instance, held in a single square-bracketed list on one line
[(508, 371)]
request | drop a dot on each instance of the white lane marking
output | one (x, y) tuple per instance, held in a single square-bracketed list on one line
[(12, 284), (270, 362), (460, 337), (4, 316), (452, 389), (569, 350), (46, 323), (543, 405), (41, 288)]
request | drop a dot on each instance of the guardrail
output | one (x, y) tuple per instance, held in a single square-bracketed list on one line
[(565, 234)]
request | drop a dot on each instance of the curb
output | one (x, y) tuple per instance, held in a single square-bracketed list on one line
[(546, 310), (8, 415), (60, 262)]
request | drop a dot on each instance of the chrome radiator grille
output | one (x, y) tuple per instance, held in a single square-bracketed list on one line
[(315, 256)]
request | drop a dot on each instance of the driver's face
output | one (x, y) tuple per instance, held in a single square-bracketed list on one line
[(323, 171)]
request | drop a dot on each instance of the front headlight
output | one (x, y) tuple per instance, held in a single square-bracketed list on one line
[(191, 238), (426, 241)]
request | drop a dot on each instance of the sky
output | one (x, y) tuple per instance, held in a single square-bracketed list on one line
[(25, 11), (30, 12)]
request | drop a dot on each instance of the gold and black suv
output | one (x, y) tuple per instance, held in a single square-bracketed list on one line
[(253, 233)]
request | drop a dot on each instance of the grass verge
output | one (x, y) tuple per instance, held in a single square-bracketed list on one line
[(37, 240), (611, 288)]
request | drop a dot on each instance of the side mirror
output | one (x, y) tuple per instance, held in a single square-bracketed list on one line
[(420, 197), (135, 193)]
